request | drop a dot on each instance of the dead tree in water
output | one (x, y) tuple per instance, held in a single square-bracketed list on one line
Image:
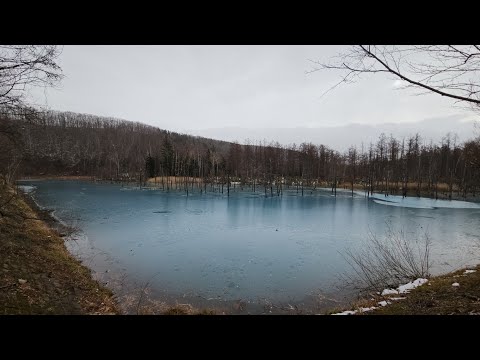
[(353, 162), (228, 184)]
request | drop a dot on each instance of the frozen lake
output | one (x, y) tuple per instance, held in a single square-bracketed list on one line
[(209, 247)]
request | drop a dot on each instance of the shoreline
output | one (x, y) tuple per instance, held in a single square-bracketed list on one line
[(39, 275), (56, 177), (453, 293), (161, 302), (437, 297), (341, 188), (46, 215)]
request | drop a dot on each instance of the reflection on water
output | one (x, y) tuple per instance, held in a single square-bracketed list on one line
[(246, 246)]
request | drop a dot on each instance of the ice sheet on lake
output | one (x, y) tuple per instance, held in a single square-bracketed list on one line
[(422, 203), (209, 245)]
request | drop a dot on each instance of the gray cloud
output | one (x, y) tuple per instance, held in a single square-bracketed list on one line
[(343, 136), (195, 88)]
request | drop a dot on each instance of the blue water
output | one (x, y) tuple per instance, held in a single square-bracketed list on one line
[(244, 246)]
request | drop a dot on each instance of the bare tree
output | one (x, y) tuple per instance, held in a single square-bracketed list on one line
[(65, 143), (22, 66), (447, 70)]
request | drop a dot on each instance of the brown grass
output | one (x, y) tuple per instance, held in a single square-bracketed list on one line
[(439, 297), (174, 180), (188, 310), (56, 283), (58, 177)]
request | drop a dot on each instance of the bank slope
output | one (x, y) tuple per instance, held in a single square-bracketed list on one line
[(38, 275)]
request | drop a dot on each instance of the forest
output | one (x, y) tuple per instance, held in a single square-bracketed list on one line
[(56, 143)]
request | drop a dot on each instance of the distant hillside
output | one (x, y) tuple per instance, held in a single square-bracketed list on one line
[(66, 143)]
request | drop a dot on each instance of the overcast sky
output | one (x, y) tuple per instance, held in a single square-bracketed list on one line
[(234, 92)]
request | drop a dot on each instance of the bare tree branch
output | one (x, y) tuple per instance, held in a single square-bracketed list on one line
[(26, 65), (451, 71)]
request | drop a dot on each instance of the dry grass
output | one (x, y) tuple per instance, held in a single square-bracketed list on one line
[(174, 180), (439, 297), (56, 283), (58, 177), (187, 309)]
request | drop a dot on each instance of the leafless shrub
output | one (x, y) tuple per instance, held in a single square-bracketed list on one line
[(388, 261)]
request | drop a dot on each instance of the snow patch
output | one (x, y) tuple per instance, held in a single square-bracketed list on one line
[(389, 292), (402, 289), (455, 284), (367, 309), (405, 289), (353, 312), (347, 312), (469, 271), (361, 310)]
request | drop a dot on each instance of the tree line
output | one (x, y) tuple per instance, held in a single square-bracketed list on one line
[(67, 143)]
